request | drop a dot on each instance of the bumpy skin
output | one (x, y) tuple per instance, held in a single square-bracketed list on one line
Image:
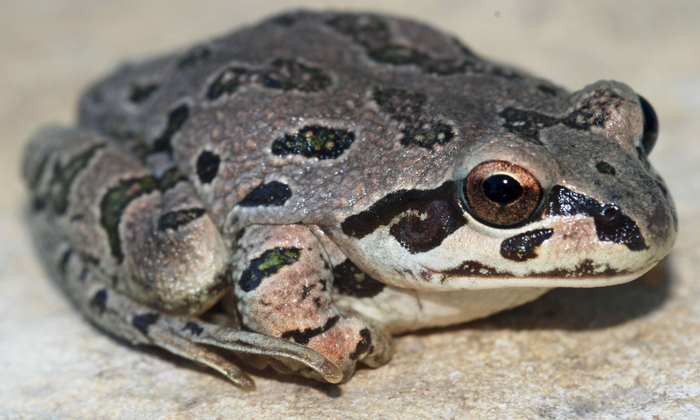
[(324, 178)]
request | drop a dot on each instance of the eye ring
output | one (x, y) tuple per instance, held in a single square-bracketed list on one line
[(501, 194)]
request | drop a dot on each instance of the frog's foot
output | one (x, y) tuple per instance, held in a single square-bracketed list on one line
[(185, 336), (283, 287)]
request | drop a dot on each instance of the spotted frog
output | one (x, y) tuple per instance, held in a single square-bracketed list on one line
[(298, 191)]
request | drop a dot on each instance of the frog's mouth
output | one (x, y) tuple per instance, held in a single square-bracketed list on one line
[(475, 275)]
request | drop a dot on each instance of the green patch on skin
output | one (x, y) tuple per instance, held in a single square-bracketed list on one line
[(119, 197), (314, 141), (63, 178), (266, 265), (115, 201)]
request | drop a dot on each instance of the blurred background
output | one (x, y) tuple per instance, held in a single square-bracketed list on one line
[(624, 351)]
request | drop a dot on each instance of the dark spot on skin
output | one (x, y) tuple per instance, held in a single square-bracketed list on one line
[(611, 223), (38, 204), (144, 322), (289, 75), (63, 264), (89, 260), (368, 31), (227, 82), (324, 284), (522, 247), (317, 302), (605, 168), (506, 73), (113, 204), (284, 20), (266, 265), (139, 93), (585, 269), (99, 301), (83, 274), (193, 328), (397, 55), (435, 221), (349, 280), (526, 123), (240, 234), (176, 119), (175, 219), (282, 74), (376, 37), (207, 166), (273, 193), (663, 188), (593, 111), (305, 292), (96, 96), (63, 177), (314, 141), (407, 109), (363, 345), (436, 217), (547, 90), (475, 269), (195, 56), (304, 336), (34, 177)]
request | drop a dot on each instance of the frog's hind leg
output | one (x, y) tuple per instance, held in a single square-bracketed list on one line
[(115, 312), (185, 336), (136, 251)]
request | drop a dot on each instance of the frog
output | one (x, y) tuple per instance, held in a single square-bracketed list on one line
[(296, 193)]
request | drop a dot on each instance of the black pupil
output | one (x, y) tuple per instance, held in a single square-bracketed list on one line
[(502, 189)]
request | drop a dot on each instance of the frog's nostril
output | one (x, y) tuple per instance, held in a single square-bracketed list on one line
[(610, 212)]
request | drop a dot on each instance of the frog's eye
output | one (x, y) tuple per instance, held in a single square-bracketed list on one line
[(651, 126), (501, 194)]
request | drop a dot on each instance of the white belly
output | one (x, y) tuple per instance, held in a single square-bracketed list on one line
[(402, 310)]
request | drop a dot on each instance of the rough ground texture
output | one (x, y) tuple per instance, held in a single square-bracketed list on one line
[(631, 351)]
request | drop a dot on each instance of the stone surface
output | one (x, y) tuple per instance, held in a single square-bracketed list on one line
[(629, 351)]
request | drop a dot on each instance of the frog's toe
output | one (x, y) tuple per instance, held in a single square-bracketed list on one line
[(200, 354), (243, 342)]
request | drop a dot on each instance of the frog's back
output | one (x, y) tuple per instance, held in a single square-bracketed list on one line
[(315, 111)]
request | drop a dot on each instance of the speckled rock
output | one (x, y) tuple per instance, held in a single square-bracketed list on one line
[(625, 352)]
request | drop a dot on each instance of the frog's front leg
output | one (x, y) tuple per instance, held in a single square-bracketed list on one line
[(283, 282)]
